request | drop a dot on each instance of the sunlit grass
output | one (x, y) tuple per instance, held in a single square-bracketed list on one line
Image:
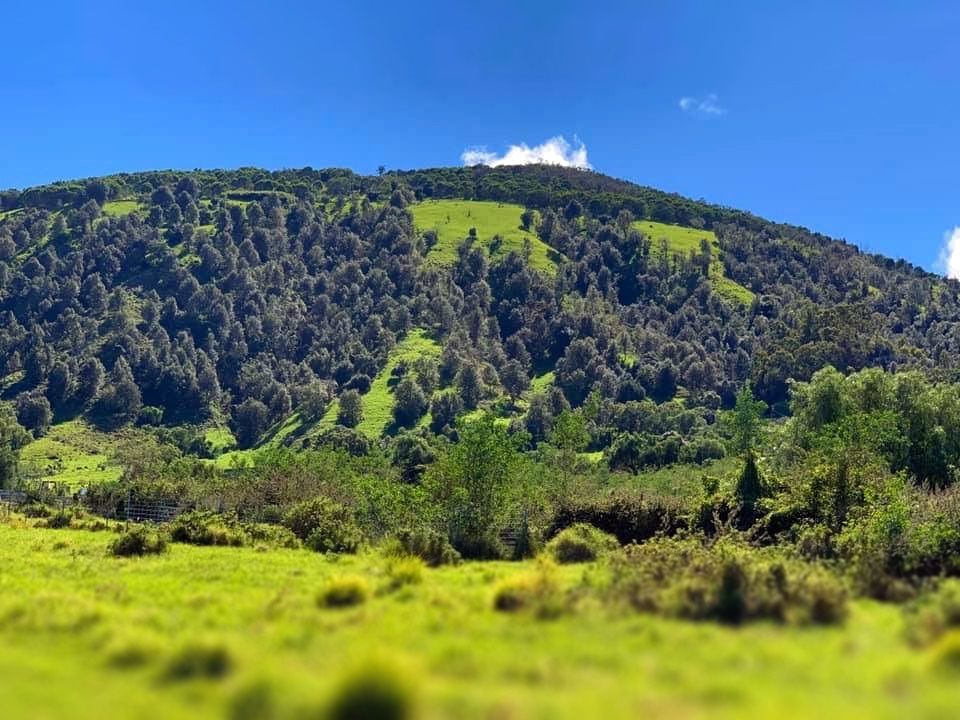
[(85, 635), (453, 219), (684, 240), (119, 208), (73, 453)]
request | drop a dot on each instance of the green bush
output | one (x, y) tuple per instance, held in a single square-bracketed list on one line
[(428, 545), (324, 526), (139, 540), (404, 571), (945, 655), (207, 528), (726, 581), (344, 592), (198, 660), (376, 690), (935, 614), (628, 516), (538, 591), (581, 543)]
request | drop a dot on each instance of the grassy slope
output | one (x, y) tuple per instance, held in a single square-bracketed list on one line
[(71, 452), (378, 402), (72, 614), (119, 208), (684, 240), (452, 219)]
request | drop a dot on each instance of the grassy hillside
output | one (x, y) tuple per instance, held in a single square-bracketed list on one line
[(71, 452), (119, 208), (686, 240), (453, 219), (238, 632), (378, 401)]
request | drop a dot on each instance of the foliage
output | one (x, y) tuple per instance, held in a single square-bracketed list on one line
[(378, 689), (429, 545), (471, 486), (537, 591), (324, 525), (138, 540), (581, 543), (727, 582), (630, 517), (342, 592)]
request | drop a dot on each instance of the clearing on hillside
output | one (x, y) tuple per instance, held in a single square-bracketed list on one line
[(452, 220), (378, 401), (119, 208), (72, 453), (684, 240)]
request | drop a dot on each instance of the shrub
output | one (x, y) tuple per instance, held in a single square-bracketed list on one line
[(138, 540), (344, 592), (581, 543), (945, 655), (198, 660), (207, 528), (404, 571), (324, 526), (627, 516), (934, 614), (376, 690), (537, 591), (727, 582), (428, 545)]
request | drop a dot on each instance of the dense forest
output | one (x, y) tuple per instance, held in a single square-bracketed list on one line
[(171, 298)]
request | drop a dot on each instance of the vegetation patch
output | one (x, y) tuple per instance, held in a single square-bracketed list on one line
[(581, 543), (686, 240), (343, 592), (137, 541), (73, 453), (119, 208), (497, 228)]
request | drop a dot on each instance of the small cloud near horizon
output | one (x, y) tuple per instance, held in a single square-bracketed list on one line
[(709, 105), (949, 260), (555, 151)]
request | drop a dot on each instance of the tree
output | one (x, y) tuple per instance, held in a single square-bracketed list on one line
[(744, 422), (749, 489), (444, 408), (58, 383), (469, 385), (412, 455), (350, 412), (88, 380), (409, 402), (250, 419), (514, 378), (470, 485), (33, 412), (12, 438), (120, 402), (314, 399)]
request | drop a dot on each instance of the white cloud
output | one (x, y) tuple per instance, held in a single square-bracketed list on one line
[(555, 151), (949, 259), (709, 105)]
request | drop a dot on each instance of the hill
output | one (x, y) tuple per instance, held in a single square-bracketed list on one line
[(242, 304)]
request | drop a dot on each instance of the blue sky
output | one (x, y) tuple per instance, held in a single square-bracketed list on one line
[(842, 117)]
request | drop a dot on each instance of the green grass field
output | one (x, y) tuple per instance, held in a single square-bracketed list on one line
[(119, 208), (71, 452), (684, 240), (452, 220), (85, 635)]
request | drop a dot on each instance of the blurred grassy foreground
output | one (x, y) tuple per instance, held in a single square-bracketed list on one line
[(239, 633)]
